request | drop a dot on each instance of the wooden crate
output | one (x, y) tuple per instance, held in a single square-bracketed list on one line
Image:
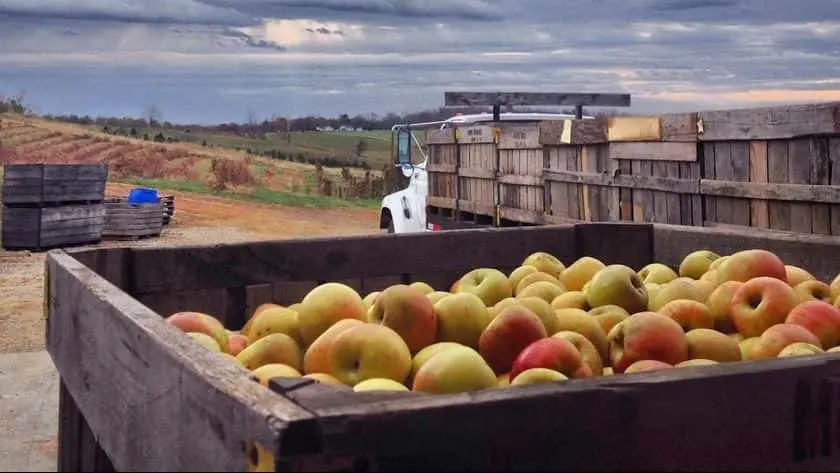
[(132, 221), (138, 394), (520, 176), (40, 228), (167, 202), (477, 166), (442, 168), (53, 184)]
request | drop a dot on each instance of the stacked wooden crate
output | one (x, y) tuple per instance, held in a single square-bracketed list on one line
[(167, 202), (132, 221), (52, 205)]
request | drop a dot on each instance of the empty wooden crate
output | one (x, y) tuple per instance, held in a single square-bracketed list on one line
[(132, 221)]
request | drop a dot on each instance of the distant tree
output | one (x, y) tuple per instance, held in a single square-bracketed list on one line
[(152, 115), (361, 147)]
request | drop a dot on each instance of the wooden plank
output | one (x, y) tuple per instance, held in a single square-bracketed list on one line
[(557, 194), (740, 162), (442, 168), (518, 180), (437, 136), (588, 193), (642, 199), (663, 184), (634, 129), (472, 99), (834, 157), (475, 134), (40, 184), (609, 194), (724, 172), (519, 137), (768, 191), (575, 191), (673, 198), (442, 202), (131, 374), (204, 267), (477, 173), (562, 132), (759, 216), (708, 172), (522, 215), (799, 172), (654, 151), (777, 172), (625, 193), (679, 127), (768, 123), (820, 176), (660, 199)]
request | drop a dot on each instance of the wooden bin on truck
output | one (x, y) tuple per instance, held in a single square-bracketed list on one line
[(138, 394)]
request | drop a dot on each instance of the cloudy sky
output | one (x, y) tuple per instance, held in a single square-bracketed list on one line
[(213, 60)]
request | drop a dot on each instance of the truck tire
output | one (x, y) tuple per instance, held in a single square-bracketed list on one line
[(386, 222)]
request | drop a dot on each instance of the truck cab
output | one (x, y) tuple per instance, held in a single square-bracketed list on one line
[(404, 211)]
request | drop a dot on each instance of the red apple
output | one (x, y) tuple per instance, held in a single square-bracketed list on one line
[(507, 335), (647, 365), (689, 314), (761, 303), (554, 353), (820, 318), (647, 336), (749, 264), (777, 337)]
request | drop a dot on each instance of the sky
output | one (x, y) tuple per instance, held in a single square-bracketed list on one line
[(210, 61)]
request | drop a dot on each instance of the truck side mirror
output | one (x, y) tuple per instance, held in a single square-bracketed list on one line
[(403, 155)]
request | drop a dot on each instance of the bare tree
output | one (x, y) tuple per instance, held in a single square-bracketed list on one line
[(252, 118), (152, 115)]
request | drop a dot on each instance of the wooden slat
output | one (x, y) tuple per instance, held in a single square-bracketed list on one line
[(634, 129), (520, 180), (679, 127), (443, 202), (472, 99), (834, 157), (767, 123), (444, 168), (740, 162), (654, 151), (519, 137), (142, 384), (522, 215), (771, 191), (820, 176), (672, 170), (777, 172), (475, 134), (708, 172), (477, 173), (642, 199), (799, 172), (437, 136), (759, 216), (724, 172), (585, 131), (663, 184), (625, 193)]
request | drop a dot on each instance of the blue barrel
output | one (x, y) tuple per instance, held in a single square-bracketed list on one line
[(142, 195)]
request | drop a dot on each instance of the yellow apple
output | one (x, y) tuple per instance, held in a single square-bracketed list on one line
[(324, 378), (206, 341), (813, 289), (273, 348), (369, 299), (617, 285), (577, 320), (369, 351), (455, 370), (437, 295), (680, 288), (696, 263), (423, 287), (608, 316), (794, 275), (276, 320), (489, 284), (580, 272), (712, 345), (657, 273), (800, 349), (275, 370), (407, 311), (545, 290), (325, 305), (423, 355), (379, 384), (535, 278), (571, 299), (316, 356), (545, 262), (461, 319), (538, 376), (517, 274)]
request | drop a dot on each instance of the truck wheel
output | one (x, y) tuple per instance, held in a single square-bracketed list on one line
[(390, 226)]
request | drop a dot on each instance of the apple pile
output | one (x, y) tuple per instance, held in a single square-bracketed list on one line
[(543, 322)]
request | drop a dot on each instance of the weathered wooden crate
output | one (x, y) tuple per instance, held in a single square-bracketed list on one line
[(41, 228), (138, 394), (520, 175), (53, 184), (132, 221), (167, 202)]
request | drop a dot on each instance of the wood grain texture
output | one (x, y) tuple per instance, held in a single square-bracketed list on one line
[(663, 184), (654, 151), (679, 127), (142, 385), (634, 128), (519, 137), (40, 184), (834, 158), (777, 172), (759, 214), (799, 172), (770, 123), (39, 228), (472, 99), (820, 164), (768, 191), (437, 136), (564, 132)]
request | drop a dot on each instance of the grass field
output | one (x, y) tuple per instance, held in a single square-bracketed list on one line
[(187, 164)]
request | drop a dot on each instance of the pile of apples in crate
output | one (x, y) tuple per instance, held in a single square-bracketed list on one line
[(543, 322)]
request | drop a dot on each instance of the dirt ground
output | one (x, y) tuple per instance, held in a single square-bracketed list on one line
[(197, 219)]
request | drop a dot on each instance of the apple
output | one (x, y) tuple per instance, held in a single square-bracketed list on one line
[(276, 320), (813, 290), (608, 371), (657, 273), (407, 311), (541, 309), (689, 314), (647, 365), (423, 355), (696, 263), (652, 290), (735, 336), (647, 336), (236, 343), (503, 380), (576, 320), (517, 274), (794, 275), (423, 287), (750, 264), (201, 323), (324, 378), (325, 305), (545, 290), (538, 376), (760, 303), (608, 316), (580, 272), (800, 349), (206, 341), (710, 276), (535, 278), (833, 350), (437, 295), (461, 319), (820, 318), (708, 344), (835, 287), (571, 299), (617, 285), (720, 302), (553, 353), (273, 348), (489, 284), (260, 308), (777, 337), (379, 384), (455, 370), (704, 289), (275, 370), (509, 333), (696, 362), (369, 299), (316, 356), (587, 350), (749, 348), (680, 288), (545, 262), (716, 263), (368, 351)]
